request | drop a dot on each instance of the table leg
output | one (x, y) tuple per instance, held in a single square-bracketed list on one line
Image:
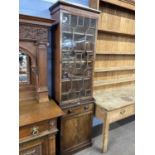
[(105, 133)]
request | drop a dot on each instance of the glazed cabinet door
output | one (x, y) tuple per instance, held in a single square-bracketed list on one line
[(75, 132), (77, 50)]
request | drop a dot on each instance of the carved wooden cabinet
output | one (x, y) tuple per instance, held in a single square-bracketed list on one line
[(38, 115), (74, 48)]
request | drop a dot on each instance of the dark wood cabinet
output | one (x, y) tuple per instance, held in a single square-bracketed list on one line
[(74, 52), (76, 129)]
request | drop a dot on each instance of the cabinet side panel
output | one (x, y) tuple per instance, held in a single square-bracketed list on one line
[(57, 56)]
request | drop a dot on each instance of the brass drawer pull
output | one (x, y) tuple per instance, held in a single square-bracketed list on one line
[(86, 107), (70, 111), (52, 123), (122, 112), (35, 131)]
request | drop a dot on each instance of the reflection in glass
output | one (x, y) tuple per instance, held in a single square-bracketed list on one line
[(67, 41), (93, 23), (73, 20), (23, 68), (78, 43), (65, 18), (81, 21)]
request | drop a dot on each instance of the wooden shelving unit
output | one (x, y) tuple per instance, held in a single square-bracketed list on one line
[(114, 63), (115, 45)]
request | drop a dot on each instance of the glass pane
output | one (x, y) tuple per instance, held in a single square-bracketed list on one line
[(86, 22), (93, 23), (90, 43), (67, 28), (81, 21), (91, 31), (79, 30), (79, 42), (73, 20), (67, 41), (66, 18), (24, 75)]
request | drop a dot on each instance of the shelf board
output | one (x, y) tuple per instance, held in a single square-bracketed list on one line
[(114, 53), (121, 4), (116, 32), (110, 82), (108, 69)]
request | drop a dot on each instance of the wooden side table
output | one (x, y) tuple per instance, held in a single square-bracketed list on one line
[(112, 106)]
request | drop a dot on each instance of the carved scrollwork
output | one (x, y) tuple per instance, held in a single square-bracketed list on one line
[(33, 32)]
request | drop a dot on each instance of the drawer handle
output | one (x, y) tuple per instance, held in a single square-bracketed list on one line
[(122, 112), (70, 111), (30, 152), (52, 123), (35, 131), (86, 107)]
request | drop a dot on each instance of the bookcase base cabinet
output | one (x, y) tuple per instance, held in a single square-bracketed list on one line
[(76, 128)]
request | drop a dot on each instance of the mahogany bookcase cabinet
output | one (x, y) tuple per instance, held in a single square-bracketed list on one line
[(74, 48)]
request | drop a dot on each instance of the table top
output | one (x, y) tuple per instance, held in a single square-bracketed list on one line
[(116, 98)]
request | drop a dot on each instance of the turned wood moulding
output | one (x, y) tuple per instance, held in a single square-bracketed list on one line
[(33, 41)]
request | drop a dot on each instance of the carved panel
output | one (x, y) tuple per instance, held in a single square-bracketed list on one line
[(33, 32)]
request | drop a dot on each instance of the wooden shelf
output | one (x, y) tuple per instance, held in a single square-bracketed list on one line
[(109, 82), (114, 53), (108, 69), (120, 4), (116, 33)]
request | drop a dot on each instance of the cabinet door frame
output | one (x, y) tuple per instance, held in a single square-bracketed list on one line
[(41, 142)]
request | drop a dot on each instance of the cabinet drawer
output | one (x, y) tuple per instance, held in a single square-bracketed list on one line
[(121, 113), (37, 128), (79, 109)]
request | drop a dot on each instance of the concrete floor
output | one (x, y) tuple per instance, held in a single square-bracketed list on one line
[(121, 140)]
